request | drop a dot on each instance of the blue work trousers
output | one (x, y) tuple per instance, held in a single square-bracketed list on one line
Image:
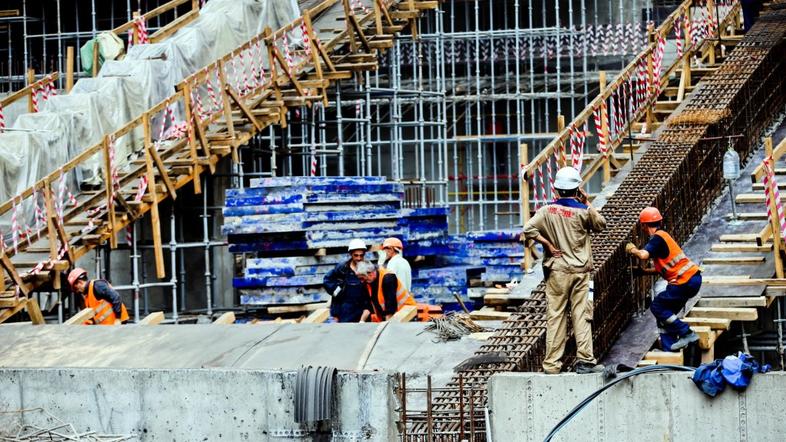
[(669, 302)]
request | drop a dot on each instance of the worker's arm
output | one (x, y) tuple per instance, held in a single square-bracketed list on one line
[(532, 231), (364, 316), (333, 281), (597, 223), (389, 288), (638, 253), (102, 290)]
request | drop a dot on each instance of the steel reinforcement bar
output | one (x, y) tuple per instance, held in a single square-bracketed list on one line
[(681, 174)]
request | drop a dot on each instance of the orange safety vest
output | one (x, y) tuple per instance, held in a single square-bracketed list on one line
[(403, 297), (104, 313), (676, 268)]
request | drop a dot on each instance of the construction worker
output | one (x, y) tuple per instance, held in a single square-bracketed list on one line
[(682, 275), (564, 227), (100, 296), (349, 298), (396, 263), (387, 294)]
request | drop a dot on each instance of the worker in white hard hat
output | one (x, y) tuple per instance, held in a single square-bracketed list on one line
[(563, 227), (349, 295), (394, 261)]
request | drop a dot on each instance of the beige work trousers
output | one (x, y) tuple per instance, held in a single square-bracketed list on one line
[(562, 288)]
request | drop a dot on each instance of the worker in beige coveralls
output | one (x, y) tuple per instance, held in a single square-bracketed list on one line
[(564, 227)]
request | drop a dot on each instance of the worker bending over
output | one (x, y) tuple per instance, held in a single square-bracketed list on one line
[(682, 275), (349, 298), (396, 263), (564, 227), (387, 294), (100, 296)]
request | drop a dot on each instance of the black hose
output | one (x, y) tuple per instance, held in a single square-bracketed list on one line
[(588, 399)]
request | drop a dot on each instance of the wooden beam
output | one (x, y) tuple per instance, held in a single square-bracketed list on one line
[(489, 315), (664, 357), (243, 108), (744, 301), (706, 336), (773, 282), (713, 323), (9, 267), (192, 121), (734, 260), (284, 309), (733, 313), (163, 173), (174, 26), (225, 319), (406, 314), (740, 247), (69, 69), (81, 316), (5, 314), (34, 311), (317, 316), (110, 191), (739, 237), (154, 318), (155, 221)]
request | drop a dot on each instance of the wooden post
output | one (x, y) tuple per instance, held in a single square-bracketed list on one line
[(711, 13), (153, 192), (524, 194), (222, 78), (134, 35), (34, 311), (377, 17), (603, 137), (561, 157), (95, 59), (51, 232), (69, 69), (271, 59), (774, 221), (110, 199), (30, 81), (650, 118), (191, 123), (353, 45), (312, 40)]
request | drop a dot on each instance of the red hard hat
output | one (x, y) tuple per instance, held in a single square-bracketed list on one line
[(393, 242), (650, 215), (75, 275)]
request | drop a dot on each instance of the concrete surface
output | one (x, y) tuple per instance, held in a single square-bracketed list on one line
[(197, 405), (650, 407)]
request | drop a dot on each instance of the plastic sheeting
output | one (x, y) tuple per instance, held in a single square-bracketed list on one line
[(69, 124)]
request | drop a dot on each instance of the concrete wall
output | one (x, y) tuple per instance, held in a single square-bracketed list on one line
[(197, 405), (650, 407)]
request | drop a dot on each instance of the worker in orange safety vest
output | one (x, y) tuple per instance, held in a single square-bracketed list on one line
[(682, 275), (100, 296), (388, 294)]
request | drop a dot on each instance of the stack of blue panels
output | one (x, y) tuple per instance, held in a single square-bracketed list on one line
[(283, 221), (500, 252)]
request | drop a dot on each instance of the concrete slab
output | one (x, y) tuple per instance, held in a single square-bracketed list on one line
[(651, 407)]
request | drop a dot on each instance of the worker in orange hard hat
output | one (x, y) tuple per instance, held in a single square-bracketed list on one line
[(100, 296), (682, 275), (394, 261)]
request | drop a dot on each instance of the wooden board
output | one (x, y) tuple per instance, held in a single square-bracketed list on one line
[(713, 323), (34, 311), (406, 314), (665, 357), (741, 281), (747, 301), (154, 318), (488, 315), (317, 316), (81, 316), (225, 319), (741, 247), (733, 313), (734, 260), (283, 309)]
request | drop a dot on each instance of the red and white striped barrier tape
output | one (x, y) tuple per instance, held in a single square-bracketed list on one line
[(678, 35), (2, 119), (771, 185)]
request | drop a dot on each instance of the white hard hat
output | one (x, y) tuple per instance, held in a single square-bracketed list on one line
[(356, 244), (567, 178)]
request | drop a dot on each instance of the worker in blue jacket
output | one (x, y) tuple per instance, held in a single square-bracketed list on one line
[(349, 297)]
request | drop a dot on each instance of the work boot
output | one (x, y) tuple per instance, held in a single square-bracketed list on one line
[(588, 367), (684, 341)]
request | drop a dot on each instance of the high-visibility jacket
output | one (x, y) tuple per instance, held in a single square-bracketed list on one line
[(403, 297), (104, 313), (676, 268)]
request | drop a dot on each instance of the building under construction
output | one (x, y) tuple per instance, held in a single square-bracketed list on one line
[(212, 160)]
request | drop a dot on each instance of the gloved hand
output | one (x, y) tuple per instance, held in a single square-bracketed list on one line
[(629, 247)]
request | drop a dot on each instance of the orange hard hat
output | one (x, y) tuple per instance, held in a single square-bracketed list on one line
[(650, 215), (75, 275), (393, 242)]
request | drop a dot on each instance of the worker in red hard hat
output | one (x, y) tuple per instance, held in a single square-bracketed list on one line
[(682, 275), (395, 262), (100, 296), (564, 227)]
